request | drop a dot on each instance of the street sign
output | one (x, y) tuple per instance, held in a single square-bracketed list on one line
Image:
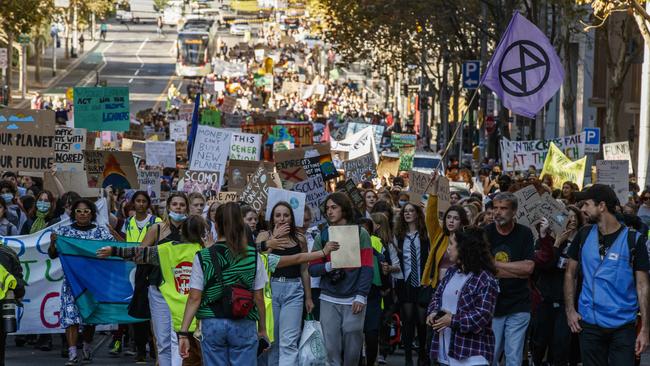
[(592, 139), (3, 58), (471, 73), (23, 38)]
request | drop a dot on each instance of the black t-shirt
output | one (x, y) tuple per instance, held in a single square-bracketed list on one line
[(514, 293), (641, 262)]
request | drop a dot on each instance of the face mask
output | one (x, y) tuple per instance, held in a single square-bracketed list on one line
[(7, 197), (42, 206), (403, 203), (177, 216)]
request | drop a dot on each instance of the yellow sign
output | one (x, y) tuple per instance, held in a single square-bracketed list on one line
[(69, 94), (563, 169)]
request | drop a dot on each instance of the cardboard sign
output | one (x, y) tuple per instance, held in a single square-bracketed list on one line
[(444, 197), (69, 145), (149, 180), (302, 133), (255, 194), (361, 169), (225, 197), (211, 149), (185, 112), (206, 183), (618, 151), (229, 104), (419, 185), (614, 173), (291, 87), (527, 202), (355, 194), (400, 140), (240, 171), (519, 155), (178, 130), (295, 199), (349, 253), (72, 182), (26, 140), (388, 167), (315, 195), (110, 168), (161, 153), (245, 146), (102, 108), (554, 211), (210, 117)]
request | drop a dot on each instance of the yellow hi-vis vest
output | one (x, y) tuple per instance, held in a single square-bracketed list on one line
[(268, 299), (176, 268), (133, 233), (7, 282)]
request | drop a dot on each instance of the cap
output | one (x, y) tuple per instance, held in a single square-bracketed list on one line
[(598, 193)]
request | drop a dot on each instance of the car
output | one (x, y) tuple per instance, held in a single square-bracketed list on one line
[(239, 29)]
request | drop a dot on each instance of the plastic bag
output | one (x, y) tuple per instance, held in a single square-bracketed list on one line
[(311, 350)]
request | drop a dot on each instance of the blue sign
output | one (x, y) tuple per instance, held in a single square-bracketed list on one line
[(592, 139), (471, 74)]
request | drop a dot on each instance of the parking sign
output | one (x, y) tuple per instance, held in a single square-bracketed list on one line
[(3, 58), (592, 139), (471, 73)]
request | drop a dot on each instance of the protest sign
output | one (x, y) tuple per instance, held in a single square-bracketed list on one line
[(185, 112), (355, 194), (71, 181), (399, 140), (388, 167), (102, 108), (554, 211), (178, 130), (614, 173), (290, 87), (206, 183), (255, 194), (359, 144), (301, 133), (245, 146), (69, 144), (229, 104), (211, 117), (295, 199), (444, 197), (110, 168), (230, 69), (27, 140), (562, 169), (161, 153), (377, 130), (240, 171), (315, 195), (349, 253), (519, 155), (149, 180), (618, 151), (406, 155), (419, 185), (225, 197), (361, 169), (211, 149), (527, 201)]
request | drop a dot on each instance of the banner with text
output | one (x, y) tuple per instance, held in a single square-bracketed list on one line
[(27, 139), (519, 155), (102, 108)]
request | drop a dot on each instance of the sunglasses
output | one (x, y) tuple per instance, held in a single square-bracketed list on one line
[(84, 211)]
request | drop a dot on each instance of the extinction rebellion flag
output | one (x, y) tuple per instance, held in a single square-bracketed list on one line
[(525, 71)]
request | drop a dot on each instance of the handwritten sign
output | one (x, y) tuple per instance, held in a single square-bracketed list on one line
[(211, 149), (388, 167), (211, 117), (295, 199), (26, 140), (206, 183), (69, 145), (178, 130), (225, 197), (554, 211), (161, 153), (419, 186), (361, 169), (149, 180), (245, 146), (110, 168), (315, 195), (519, 155), (255, 193), (302, 133), (185, 112), (406, 156), (102, 108), (614, 173), (618, 151), (229, 104), (399, 140), (527, 201)]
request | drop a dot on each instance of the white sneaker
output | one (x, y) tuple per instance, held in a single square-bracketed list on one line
[(381, 360)]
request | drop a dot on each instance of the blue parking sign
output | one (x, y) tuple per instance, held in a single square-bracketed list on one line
[(471, 73), (592, 139)]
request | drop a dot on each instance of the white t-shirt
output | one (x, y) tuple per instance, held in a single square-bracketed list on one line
[(196, 278)]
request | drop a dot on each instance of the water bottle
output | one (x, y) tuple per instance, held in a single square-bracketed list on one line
[(9, 324)]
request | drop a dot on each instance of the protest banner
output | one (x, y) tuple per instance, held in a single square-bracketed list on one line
[(519, 155), (315, 195), (211, 117), (406, 155), (614, 173), (562, 169), (229, 104), (359, 144), (185, 112), (290, 87), (301, 133), (71, 181), (110, 168), (245, 146), (295, 199), (388, 167), (400, 140), (444, 197), (283, 146), (240, 171), (255, 194), (211, 149), (225, 197), (419, 185), (206, 183), (377, 130), (230, 69), (102, 108), (69, 144), (178, 130), (349, 253), (361, 169), (161, 153), (149, 180), (618, 151), (27, 140)]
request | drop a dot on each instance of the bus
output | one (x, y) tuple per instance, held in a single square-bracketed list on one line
[(195, 46)]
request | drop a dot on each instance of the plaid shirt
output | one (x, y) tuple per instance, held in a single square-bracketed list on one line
[(471, 326)]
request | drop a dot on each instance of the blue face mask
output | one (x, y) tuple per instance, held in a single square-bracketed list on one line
[(7, 197), (42, 206), (403, 203), (177, 216)]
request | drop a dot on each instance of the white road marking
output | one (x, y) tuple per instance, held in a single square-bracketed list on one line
[(137, 54), (130, 80)]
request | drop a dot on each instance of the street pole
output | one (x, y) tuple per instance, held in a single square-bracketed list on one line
[(484, 91), (23, 76), (92, 26), (422, 120), (644, 118), (75, 27), (54, 39)]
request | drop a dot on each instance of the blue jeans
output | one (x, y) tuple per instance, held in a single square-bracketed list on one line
[(163, 329), (287, 321), (510, 335), (229, 342)]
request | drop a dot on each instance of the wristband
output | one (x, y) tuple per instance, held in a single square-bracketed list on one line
[(184, 334)]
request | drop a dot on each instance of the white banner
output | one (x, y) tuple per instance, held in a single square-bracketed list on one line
[(519, 155), (618, 151)]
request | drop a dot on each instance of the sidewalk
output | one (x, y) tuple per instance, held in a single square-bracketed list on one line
[(63, 68)]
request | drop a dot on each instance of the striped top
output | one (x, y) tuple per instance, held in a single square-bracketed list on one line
[(234, 270)]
